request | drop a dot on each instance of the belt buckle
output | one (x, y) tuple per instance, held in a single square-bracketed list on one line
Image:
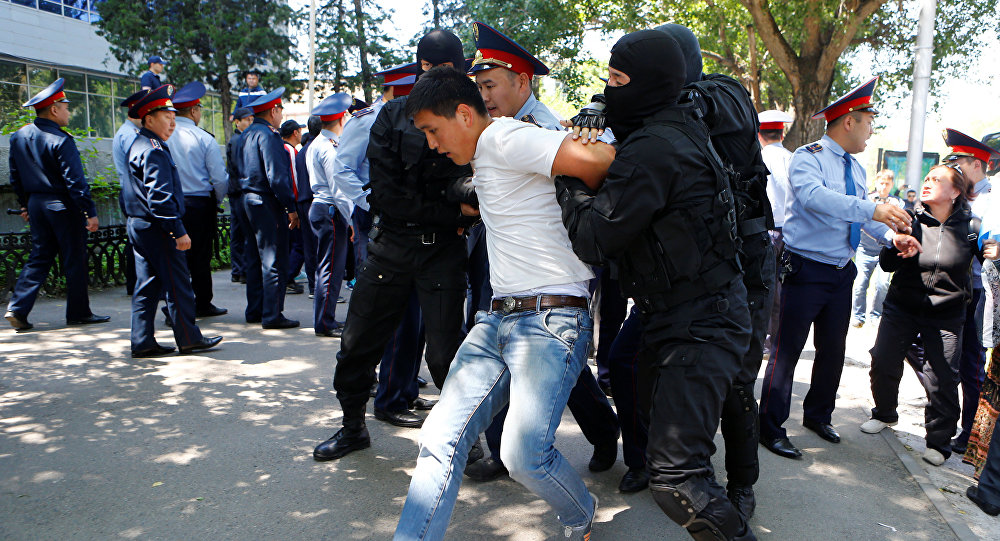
[(424, 237), (509, 303)]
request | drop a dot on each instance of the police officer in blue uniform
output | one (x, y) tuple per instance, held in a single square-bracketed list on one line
[(238, 225), (503, 71), (419, 197), (270, 206), (329, 214), (203, 178), (154, 203), (123, 139), (48, 178), (822, 230), (304, 199), (151, 79)]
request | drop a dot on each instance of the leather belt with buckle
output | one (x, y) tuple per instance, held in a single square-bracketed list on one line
[(538, 302)]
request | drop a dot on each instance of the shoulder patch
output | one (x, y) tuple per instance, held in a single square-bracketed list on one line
[(155, 143), (363, 112), (814, 148), (529, 118)]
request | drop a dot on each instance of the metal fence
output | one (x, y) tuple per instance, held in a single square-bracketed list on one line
[(105, 257)]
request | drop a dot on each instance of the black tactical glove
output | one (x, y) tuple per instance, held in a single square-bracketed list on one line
[(591, 117)]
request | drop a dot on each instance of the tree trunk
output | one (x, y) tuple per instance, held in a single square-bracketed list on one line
[(225, 100), (811, 95), (338, 57), (754, 77), (366, 71), (437, 13)]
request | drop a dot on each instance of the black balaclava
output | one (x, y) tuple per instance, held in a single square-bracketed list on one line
[(690, 48), (438, 47), (655, 66)]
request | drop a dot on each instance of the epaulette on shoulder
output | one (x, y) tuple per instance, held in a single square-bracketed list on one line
[(155, 143), (273, 129), (363, 112), (814, 148), (208, 132)]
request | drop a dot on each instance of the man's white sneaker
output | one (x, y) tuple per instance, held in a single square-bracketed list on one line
[(874, 426), (933, 457)]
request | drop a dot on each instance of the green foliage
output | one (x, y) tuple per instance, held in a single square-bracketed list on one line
[(213, 41), (338, 46), (16, 120)]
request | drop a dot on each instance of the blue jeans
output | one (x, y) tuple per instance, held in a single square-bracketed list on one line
[(533, 356), (868, 270)]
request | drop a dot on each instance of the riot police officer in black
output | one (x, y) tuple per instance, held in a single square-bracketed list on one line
[(733, 125), (665, 218), (417, 200)]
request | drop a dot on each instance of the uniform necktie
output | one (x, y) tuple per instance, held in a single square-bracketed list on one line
[(854, 233)]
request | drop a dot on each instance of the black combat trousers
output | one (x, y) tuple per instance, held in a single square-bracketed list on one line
[(740, 428), (435, 265), (942, 341), (692, 355)]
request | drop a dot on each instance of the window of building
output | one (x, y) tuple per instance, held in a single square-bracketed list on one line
[(83, 10), (94, 98)]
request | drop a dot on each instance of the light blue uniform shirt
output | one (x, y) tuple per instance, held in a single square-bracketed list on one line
[(983, 191), (321, 161), (351, 166), (819, 216), (538, 113), (198, 159), (123, 140)]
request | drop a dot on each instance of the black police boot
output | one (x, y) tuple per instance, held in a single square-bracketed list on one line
[(352, 437), (717, 520)]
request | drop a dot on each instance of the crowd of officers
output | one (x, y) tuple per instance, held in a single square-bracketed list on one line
[(732, 261)]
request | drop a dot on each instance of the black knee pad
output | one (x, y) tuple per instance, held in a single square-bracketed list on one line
[(705, 512)]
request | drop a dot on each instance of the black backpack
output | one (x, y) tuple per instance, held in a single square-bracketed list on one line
[(733, 126)]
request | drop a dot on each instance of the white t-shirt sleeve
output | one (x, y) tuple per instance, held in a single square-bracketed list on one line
[(528, 148)]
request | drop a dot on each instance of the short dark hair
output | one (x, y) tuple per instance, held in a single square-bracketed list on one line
[(441, 90), (772, 135)]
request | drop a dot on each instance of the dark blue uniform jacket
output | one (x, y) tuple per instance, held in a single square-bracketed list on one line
[(154, 191), (267, 168), (44, 159)]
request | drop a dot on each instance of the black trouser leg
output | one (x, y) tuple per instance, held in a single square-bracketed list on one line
[(200, 222), (942, 350)]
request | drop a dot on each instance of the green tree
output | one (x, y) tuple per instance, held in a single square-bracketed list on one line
[(552, 30), (213, 41), (351, 43), (793, 54)]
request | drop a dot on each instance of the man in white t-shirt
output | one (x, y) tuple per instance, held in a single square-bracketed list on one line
[(529, 349)]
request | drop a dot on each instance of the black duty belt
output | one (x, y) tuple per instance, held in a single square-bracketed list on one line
[(538, 302)]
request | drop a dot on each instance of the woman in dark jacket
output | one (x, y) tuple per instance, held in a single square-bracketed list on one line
[(927, 296)]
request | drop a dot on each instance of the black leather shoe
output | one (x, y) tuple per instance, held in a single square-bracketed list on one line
[(973, 494), (825, 430), (958, 446), (780, 447), (294, 288), (486, 470), (283, 323), (331, 333), (604, 457), (422, 404), (19, 322), (634, 480), (155, 351), (235, 278), (475, 453), (89, 320), (605, 387), (343, 442), (205, 343), (743, 500), (210, 311), (421, 382), (374, 390), (405, 418)]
